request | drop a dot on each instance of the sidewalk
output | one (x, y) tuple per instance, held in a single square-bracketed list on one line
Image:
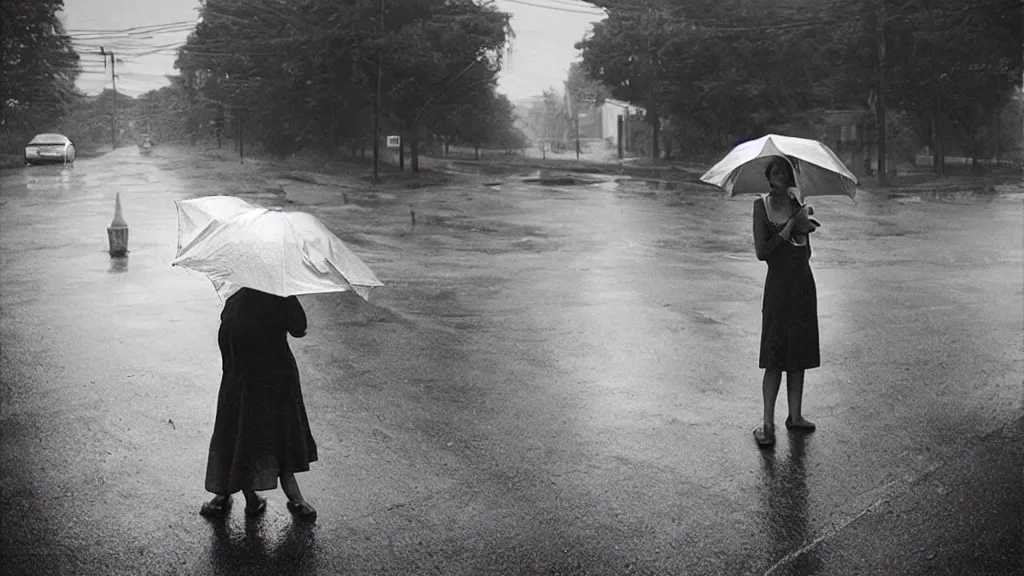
[(908, 181)]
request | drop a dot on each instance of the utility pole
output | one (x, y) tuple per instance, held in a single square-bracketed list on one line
[(880, 97), (620, 134), (376, 104), (241, 143), (113, 80), (576, 116)]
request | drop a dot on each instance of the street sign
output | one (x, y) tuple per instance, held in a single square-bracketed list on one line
[(588, 98), (394, 141)]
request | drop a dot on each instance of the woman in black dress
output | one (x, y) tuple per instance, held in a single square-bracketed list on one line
[(789, 310), (261, 431)]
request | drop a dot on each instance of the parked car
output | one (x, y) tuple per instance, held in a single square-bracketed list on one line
[(50, 148), (146, 144)]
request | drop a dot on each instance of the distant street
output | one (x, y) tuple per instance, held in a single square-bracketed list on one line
[(554, 380)]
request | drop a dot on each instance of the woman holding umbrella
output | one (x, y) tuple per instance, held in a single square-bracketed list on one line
[(789, 309), (261, 432), (789, 315), (259, 259)]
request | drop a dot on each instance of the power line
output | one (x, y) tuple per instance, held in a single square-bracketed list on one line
[(729, 25), (556, 8), (133, 29)]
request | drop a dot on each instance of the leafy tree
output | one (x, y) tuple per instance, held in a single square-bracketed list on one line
[(578, 85), (38, 68), (437, 51), (730, 70), (488, 121), (954, 65), (298, 70), (305, 72), (578, 82), (549, 118), (159, 112), (627, 53)]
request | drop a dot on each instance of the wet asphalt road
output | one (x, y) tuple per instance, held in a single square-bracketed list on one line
[(554, 380)]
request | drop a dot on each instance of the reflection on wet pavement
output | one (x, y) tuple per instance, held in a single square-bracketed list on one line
[(554, 379), (118, 265), (785, 505), (259, 547)]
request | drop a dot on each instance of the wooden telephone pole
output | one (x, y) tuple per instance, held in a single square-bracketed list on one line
[(880, 98), (376, 105), (113, 80)]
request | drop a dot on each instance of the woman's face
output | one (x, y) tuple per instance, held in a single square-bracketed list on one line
[(778, 177)]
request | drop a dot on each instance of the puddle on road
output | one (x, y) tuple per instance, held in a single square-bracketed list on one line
[(46, 181), (661, 184)]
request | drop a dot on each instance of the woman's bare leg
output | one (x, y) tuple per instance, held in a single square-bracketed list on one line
[(220, 499), (296, 503), (291, 488), (252, 500), (795, 395), (770, 390)]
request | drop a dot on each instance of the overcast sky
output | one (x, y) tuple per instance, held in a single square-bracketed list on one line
[(546, 31)]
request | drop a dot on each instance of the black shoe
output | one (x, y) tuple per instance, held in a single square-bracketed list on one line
[(302, 511), (258, 509), (216, 508), (765, 435)]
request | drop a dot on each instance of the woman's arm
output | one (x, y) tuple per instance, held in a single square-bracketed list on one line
[(765, 242), (294, 317)]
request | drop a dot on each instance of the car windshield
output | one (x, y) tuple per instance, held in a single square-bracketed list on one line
[(48, 139)]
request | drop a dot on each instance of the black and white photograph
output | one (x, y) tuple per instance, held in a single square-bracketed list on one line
[(524, 287)]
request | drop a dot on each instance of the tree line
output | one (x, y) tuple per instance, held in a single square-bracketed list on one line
[(306, 73), (722, 71), (38, 69), (293, 74)]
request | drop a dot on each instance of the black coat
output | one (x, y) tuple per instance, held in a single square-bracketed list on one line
[(261, 430)]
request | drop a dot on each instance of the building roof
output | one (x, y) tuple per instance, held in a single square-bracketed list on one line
[(623, 104)]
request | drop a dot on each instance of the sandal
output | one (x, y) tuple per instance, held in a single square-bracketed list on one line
[(302, 511), (258, 509), (805, 426), (765, 435), (216, 508)]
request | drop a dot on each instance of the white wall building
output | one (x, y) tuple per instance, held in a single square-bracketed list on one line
[(610, 112)]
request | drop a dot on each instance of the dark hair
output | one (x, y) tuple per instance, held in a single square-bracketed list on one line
[(786, 167)]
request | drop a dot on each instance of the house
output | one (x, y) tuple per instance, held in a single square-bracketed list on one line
[(611, 110)]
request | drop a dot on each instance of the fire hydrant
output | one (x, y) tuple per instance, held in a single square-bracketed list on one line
[(117, 232)]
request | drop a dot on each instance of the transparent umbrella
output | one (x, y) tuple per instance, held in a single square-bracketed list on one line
[(198, 214), (274, 251), (818, 171)]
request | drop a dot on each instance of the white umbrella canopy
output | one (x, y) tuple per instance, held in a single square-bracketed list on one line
[(195, 216), (278, 252), (818, 171)]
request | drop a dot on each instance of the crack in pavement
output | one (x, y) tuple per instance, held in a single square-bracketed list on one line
[(891, 491)]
